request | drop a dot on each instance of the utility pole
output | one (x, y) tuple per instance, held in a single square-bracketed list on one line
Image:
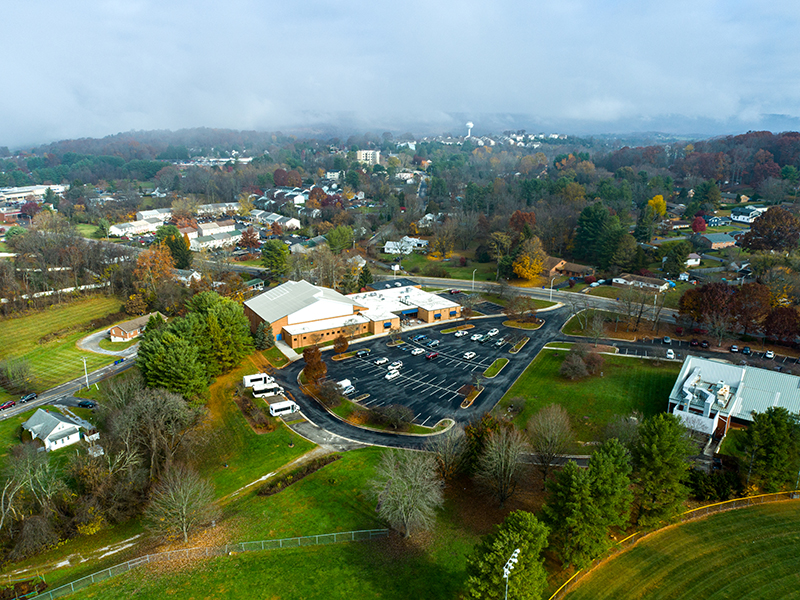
[(85, 372)]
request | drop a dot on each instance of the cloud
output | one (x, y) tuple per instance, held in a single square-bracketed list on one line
[(94, 68)]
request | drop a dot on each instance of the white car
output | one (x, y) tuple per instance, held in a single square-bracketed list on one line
[(493, 332), (417, 351), (671, 354), (396, 365), (381, 361), (392, 375), (770, 354), (469, 355), (476, 337), (461, 332)]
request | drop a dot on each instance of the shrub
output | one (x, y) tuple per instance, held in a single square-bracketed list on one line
[(462, 261), (594, 362), (396, 416), (573, 367), (329, 394), (434, 270), (589, 279), (283, 481)]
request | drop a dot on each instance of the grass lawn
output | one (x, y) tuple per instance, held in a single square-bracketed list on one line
[(230, 440), (521, 325), (116, 346), (332, 499), (495, 367), (496, 299), (686, 561), (254, 262), (275, 357), (87, 230), (4, 247), (485, 271), (59, 359), (9, 433), (627, 384)]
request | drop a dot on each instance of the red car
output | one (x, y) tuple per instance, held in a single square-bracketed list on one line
[(431, 355), (8, 404)]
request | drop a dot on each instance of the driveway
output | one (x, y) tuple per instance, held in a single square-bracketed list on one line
[(92, 344)]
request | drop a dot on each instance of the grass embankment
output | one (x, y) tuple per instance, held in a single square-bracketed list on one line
[(347, 409), (755, 548), (522, 325), (627, 384), (334, 498), (496, 299), (88, 230), (671, 301), (59, 359), (495, 367), (615, 326), (275, 357)]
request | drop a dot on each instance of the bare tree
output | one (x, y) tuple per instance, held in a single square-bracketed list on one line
[(625, 429), (551, 435), (408, 490), (181, 503), (597, 328), (449, 448), (719, 323), (499, 465), (468, 303)]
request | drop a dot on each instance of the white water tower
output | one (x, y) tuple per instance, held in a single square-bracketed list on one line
[(469, 129)]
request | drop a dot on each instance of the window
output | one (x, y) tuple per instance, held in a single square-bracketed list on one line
[(439, 316), (387, 325), (452, 313)]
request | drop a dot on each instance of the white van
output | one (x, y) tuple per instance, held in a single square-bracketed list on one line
[(258, 378), (265, 391), (283, 408)]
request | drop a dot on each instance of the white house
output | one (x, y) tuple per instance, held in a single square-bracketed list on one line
[(653, 284), (55, 430), (693, 260), (747, 214), (406, 245)]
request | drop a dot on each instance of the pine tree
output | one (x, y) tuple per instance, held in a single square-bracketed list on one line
[(609, 474), (578, 532), (520, 530), (661, 457), (264, 338), (364, 277)]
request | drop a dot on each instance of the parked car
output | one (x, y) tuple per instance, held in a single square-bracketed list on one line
[(704, 344), (434, 343), (469, 355), (461, 333), (8, 404), (500, 342), (348, 390), (431, 355), (734, 348), (26, 397), (455, 291), (476, 337), (417, 351), (769, 354), (86, 404), (392, 375), (419, 338), (670, 353), (395, 365), (694, 343), (362, 353), (746, 351), (666, 340), (381, 361), (493, 332)]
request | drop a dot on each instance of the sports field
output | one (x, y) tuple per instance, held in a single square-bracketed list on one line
[(751, 553), (47, 339)]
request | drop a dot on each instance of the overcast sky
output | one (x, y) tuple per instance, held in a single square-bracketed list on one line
[(94, 68)]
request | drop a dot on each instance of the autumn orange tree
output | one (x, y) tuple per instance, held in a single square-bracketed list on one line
[(153, 266), (340, 344), (250, 239), (315, 368)]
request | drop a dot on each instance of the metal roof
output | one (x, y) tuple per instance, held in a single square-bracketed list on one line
[(291, 297)]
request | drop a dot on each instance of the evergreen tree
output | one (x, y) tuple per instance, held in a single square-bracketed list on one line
[(577, 530), (772, 441), (661, 456), (592, 225), (171, 362), (645, 225), (609, 474), (364, 277), (263, 339), (520, 530)]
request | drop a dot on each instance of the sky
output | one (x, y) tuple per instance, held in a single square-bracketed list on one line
[(93, 68)]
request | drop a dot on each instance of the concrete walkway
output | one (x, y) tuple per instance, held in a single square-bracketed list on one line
[(287, 351)]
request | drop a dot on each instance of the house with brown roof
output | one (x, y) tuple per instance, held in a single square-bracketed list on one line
[(653, 284), (571, 269), (131, 329), (551, 266)]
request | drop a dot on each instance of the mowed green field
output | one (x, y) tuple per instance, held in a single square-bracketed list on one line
[(749, 553), (58, 360), (627, 384)]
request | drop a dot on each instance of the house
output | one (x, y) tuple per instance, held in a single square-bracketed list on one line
[(162, 214), (653, 284), (575, 270), (712, 221), (678, 224), (406, 245), (131, 329), (747, 214), (370, 157), (53, 429), (190, 232), (693, 260), (715, 241), (186, 276), (710, 396), (551, 266), (254, 284)]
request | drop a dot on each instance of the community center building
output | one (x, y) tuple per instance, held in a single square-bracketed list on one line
[(301, 313), (710, 396)]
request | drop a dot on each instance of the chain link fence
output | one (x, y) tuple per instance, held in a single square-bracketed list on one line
[(689, 515), (197, 553)]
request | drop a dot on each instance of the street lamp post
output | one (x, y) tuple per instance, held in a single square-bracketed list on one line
[(551, 287), (509, 567), (473, 279)]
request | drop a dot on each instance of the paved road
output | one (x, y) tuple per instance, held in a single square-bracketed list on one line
[(92, 344)]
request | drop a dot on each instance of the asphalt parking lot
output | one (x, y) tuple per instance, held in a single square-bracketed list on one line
[(486, 308), (429, 387)]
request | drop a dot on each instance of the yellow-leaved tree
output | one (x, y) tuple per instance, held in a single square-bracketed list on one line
[(658, 204), (530, 260)]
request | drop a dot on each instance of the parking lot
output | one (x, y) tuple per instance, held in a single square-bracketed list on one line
[(430, 387)]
